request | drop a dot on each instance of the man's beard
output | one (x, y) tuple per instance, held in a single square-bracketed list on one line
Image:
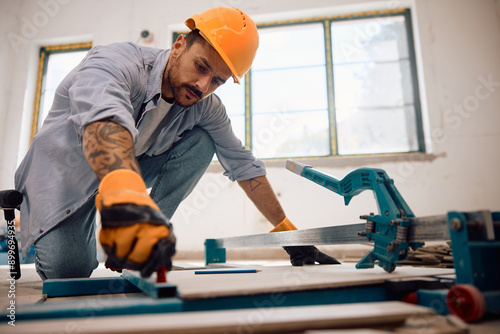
[(171, 76)]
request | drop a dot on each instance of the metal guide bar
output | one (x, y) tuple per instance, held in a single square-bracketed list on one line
[(431, 228), (423, 229), (344, 234), (435, 228)]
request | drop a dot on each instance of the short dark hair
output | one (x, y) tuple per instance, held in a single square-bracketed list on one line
[(192, 37)]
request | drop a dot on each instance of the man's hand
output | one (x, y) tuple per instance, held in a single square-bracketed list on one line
[(303, 255), (135, 234)]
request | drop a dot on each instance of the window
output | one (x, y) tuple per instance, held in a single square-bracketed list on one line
[(374, 97), (327, 87), (55, 62)]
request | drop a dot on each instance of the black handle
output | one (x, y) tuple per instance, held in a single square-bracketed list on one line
[(10, 199)]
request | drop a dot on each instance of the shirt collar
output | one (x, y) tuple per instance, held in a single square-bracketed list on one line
[(153, 87)]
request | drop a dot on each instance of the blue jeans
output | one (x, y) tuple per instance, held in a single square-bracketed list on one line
[(69, 249)]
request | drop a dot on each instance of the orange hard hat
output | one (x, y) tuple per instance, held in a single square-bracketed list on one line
[(231, 33)]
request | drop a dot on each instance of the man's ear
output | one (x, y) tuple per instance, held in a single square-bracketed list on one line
[(178, 46)]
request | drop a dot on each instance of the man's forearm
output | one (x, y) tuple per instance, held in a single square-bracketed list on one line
[(109, 146), (262, 195)]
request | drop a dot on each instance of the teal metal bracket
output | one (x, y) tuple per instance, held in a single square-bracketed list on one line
[(213, 253), (475, 245), (130, 282), (149, 286), (97, 306), (475, 242), (434, 299), (87, 286), (164, 297)]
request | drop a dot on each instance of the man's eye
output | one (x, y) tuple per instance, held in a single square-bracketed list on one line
[(199, 67)]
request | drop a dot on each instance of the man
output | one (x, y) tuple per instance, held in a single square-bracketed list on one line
[(128, 118)]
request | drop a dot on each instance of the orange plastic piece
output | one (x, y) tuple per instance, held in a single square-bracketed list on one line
[(231, 33), (285, 225)]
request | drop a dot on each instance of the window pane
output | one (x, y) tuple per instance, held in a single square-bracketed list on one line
[(286, 90), (377, 39), (238, 125), (374, 97), (373, 84), (289, 97), (278, 135), (233, 97), (58, 66), (290, 46), (362, 131)]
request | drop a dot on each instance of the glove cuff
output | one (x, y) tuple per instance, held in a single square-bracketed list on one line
[(285, 225), (123, 186), (122, 179), (120, 215)]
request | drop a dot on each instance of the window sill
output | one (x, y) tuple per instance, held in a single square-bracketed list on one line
[(354, 161)]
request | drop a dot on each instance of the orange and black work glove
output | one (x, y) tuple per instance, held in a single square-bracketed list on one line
[(302, 255), (135, 234)]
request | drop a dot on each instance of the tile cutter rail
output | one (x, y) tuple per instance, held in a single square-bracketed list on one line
[(475, 239)]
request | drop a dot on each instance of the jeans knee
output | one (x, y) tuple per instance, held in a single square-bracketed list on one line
[(65, 266), (206, 142), (201, 144)]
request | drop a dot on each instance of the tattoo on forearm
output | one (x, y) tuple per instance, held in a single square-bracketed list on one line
[(254, 184), (107, 147)]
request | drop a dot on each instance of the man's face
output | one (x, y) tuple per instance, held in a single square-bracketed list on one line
[(193, 74)]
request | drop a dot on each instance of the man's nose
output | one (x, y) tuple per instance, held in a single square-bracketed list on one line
[(204, 83)]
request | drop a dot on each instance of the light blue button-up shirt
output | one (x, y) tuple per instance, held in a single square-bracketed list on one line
[(112, 82)]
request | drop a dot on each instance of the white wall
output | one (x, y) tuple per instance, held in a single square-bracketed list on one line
[(458, 50)]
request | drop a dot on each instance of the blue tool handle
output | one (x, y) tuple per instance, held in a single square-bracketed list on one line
[(389, 201), (351, 185), (228, 271)]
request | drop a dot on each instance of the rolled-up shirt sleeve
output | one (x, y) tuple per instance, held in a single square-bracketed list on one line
[(101, 87), (238, 162)]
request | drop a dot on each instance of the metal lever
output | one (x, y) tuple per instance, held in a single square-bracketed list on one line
[(388, 229)]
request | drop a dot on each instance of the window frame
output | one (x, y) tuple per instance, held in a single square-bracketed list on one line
[(43, 60), (327, 22)]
